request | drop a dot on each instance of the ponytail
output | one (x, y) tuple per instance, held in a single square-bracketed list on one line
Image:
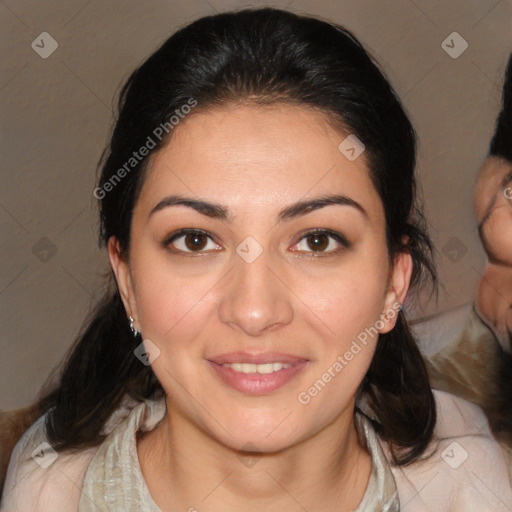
[(100, 370), (398, 391)]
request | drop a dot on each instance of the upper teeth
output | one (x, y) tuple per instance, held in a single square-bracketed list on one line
[(256, 368)]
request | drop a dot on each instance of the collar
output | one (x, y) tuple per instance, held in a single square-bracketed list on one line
[(114, 479)]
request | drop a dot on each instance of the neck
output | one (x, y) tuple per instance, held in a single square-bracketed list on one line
[(186, 469)]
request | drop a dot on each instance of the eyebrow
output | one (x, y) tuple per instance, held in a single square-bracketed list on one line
[(218, 211)]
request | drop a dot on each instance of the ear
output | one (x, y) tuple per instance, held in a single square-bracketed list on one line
[(398, 285), (123, 275)]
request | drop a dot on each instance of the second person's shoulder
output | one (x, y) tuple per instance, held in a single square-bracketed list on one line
[(464, 467)]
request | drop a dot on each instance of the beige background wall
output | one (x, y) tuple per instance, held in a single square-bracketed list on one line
[(56, 116)]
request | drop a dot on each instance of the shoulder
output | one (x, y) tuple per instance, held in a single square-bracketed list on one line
[(463, 468), (40, 479), (115, 466)]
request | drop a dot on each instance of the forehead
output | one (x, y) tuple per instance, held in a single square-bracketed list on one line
[(252, 156)]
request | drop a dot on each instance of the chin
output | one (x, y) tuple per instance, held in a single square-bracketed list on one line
[(260, 432)]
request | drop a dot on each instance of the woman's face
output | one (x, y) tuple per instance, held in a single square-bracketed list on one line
[(260, 326)]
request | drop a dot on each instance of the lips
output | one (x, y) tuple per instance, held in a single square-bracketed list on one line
[(257, 374)]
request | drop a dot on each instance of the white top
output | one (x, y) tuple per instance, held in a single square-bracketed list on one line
[(466, 473)]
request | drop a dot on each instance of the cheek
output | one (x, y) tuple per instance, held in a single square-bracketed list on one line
[(347, 309), (345, 301), (174, 314), (172, 310)]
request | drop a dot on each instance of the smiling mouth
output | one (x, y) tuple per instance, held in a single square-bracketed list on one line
[(257, 374), (262, 369)]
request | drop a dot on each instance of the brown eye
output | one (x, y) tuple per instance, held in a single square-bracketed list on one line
[(194, 242), (322, 241), (188, 241), (318, 242)]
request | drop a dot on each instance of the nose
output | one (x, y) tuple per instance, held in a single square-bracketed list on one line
[(255, 297)]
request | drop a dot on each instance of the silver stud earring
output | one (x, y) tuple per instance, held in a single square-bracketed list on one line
[(132, 327)]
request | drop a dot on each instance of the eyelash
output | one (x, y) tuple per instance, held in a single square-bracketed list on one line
[(338, 237)]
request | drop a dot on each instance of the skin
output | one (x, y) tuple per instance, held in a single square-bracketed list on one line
[(492, 199), (255, 161)]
